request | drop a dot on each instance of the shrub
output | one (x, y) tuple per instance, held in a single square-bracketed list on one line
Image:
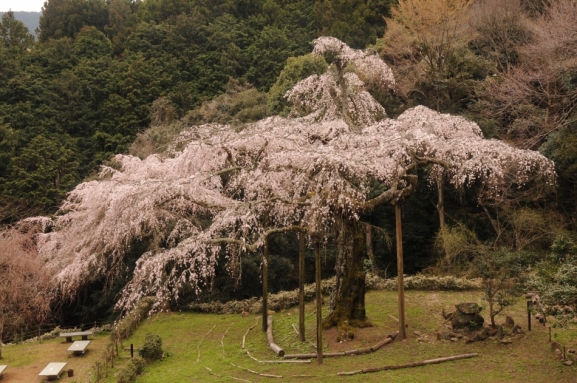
[(134, 368), (128, 324), (152, 349), (286, 299)]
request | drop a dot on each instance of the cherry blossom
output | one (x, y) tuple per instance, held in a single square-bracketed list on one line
[(218, 189)]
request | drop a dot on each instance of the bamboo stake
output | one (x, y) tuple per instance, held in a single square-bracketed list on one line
[(222, 338), (199, 343), (256, 372), (244, 336), (407, 365)]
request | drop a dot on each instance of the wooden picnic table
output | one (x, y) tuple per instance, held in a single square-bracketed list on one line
[(52, 370), (69, 335), (79, 347), (2, 368)]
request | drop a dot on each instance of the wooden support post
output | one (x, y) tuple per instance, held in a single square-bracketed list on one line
[(265, 286), (400, 272), (319, 300), (302, 287), (529, 309), (131, 350)]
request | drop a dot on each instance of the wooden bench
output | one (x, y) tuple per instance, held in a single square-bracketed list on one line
[(69, 335), (52, 370), (79, 347), (2, 368)]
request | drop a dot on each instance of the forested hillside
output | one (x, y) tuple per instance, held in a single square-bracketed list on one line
[(127, 77), (86, 88)]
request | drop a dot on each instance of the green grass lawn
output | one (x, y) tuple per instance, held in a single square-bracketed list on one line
[(195, 343)]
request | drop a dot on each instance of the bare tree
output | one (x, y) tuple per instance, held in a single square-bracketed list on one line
[(24, 284)]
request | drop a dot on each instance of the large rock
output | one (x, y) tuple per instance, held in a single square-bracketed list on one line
[(467, 317)]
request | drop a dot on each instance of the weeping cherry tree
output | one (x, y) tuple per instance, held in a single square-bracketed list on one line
[(219, 191)]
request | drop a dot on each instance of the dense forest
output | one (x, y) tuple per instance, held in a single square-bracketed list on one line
[(126, 77)]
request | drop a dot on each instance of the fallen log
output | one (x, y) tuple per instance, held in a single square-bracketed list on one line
[(273, 346), (307, 356), (381, 344), (407, 365), (365, 350), (276, 361), (279, 351)]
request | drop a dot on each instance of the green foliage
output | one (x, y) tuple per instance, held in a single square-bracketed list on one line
[(563, 249), (65, 18), (14, 35), (90, 43), (501, 273), (134, 368), (356, 22), (43, 171), (296, 69), (556, 279), (430, 283), (152, 348), (130, 322), (239, 104), (457, 246)]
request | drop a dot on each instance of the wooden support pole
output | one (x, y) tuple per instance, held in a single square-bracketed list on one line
[(302, 287), (319, 300), (400, 272), (529, 309), (265, 285)]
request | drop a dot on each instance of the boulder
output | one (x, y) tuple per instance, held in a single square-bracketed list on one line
[(467, 317), (500, 333), (468, 308)]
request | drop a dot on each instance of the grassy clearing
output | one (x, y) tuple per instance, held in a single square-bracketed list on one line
[(26, 360), (196, 342)]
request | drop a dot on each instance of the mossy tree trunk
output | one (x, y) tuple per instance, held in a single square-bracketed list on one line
[(347, 309)]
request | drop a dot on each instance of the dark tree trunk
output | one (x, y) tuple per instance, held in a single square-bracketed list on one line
[(347, 304)]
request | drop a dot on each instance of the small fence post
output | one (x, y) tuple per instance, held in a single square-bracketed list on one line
[(131, 350)]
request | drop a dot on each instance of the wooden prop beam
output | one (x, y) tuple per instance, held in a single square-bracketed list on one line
[(407, 365), (302, 287), (400, 272), (319, 301)]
